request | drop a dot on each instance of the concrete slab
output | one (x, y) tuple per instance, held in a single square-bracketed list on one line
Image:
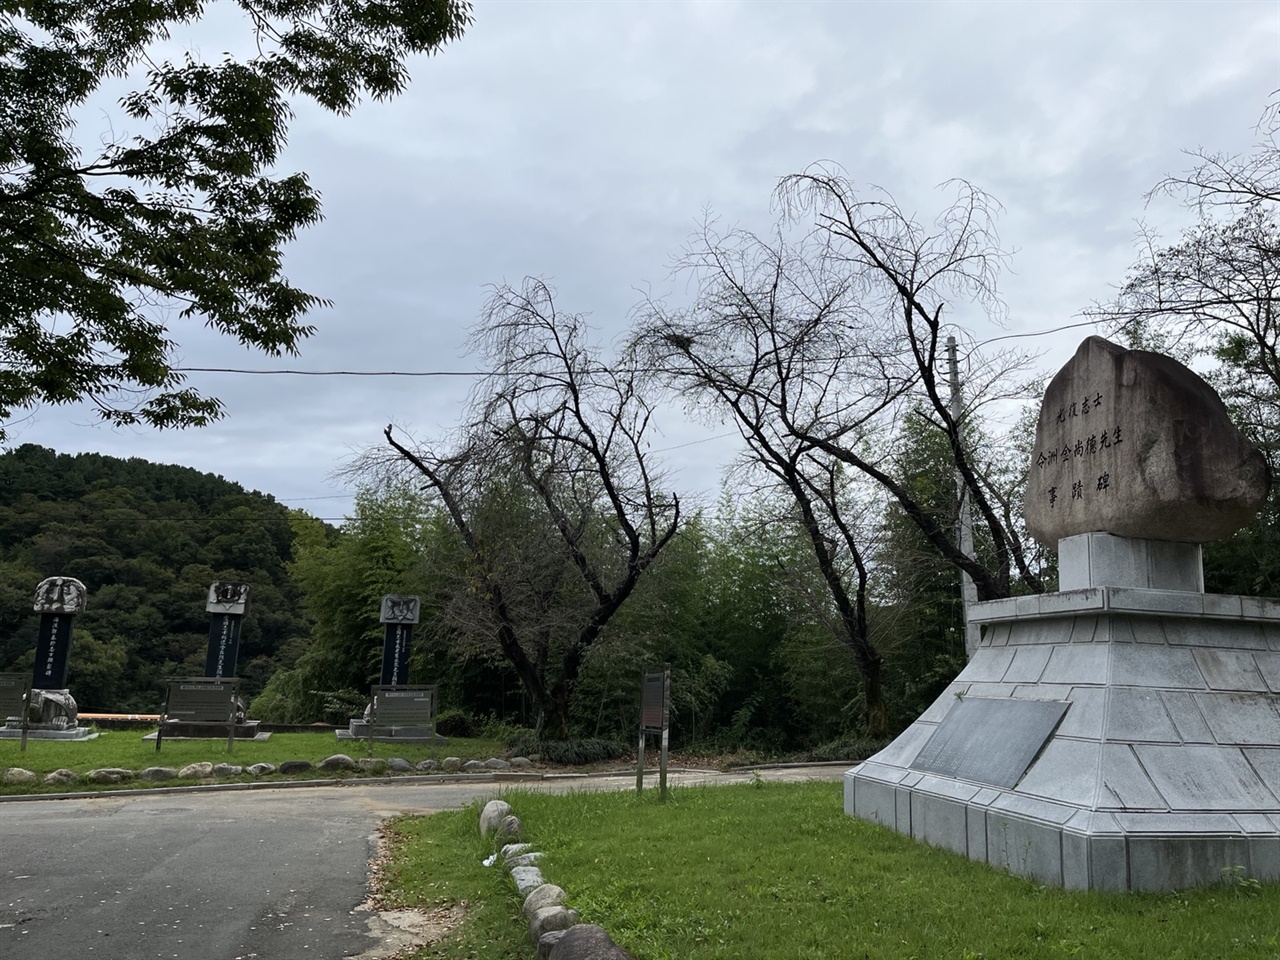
[(874, 802), (1028, 664), (1143, 665), (940, 822), (903, 750), (1066, 771), (1229, 669), (1194, 777), (1087, 713), (1171, 863), (1077, 664), (1085, 629), (1241, 718), (1137, 713), (1108, 863), (1269, 666), (1026, 848), (987, 666), (1156, 601), (1187, 719)]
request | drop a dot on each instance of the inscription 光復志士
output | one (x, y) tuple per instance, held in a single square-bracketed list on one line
[(1068, 466)]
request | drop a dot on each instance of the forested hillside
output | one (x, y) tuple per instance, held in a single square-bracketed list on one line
[(147, 540)]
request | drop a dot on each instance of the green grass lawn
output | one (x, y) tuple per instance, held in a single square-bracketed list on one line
[(778, 871), (127, 749)]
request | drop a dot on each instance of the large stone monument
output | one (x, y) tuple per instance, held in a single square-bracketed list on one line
[(53, 713), (227, 603), (1124, 732), (398, 613)]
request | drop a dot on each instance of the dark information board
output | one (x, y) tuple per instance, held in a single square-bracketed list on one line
[(990, 741), (653, 702)]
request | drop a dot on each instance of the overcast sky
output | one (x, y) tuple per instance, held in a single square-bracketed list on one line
[(581, 142)]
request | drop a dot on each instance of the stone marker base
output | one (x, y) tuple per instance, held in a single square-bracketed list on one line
[(74, 734), (248, 730), (1159, 765), (359, 730)]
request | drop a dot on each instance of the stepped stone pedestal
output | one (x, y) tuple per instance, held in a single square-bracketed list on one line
[(1159, 766), (1123, 733)]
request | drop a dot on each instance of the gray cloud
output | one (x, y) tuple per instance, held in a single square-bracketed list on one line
[(582, 141)]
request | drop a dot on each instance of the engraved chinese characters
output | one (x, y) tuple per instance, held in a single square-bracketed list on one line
[(1134, 444)]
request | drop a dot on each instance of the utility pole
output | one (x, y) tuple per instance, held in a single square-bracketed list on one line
[(964, 519)]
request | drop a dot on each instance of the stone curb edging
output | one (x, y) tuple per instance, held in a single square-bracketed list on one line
[(555, 928)]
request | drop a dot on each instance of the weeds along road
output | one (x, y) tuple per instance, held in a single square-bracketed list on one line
[(271, 874)]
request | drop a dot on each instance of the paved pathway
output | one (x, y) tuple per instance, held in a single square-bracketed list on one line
[(272, 874)]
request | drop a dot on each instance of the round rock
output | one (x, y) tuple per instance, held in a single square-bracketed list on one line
[(1134, 444), (16, 775), (262, 769), (339, 761), (204, 769), (158, 773), (61, 776), (586, 941), (547, 895), (427, 766), (227, 770), (492, 815), (110, 775), (296, 766), (451, 764), (399, 765)]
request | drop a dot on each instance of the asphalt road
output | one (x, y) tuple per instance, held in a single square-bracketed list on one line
[(272, 874)]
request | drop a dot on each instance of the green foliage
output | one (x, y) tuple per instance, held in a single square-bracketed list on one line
[(575, 751), (342, 577), (179, 208), (456, 722), (146, 540)]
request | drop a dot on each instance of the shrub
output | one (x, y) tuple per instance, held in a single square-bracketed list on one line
[(574, 751), (455, 722)]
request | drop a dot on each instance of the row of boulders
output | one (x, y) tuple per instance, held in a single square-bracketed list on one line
[(554, 927), (206, 770)]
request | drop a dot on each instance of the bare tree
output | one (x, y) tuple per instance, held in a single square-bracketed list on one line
[(819, 347), (766, 342), (552, 492), (907, 273), (1215, 288)]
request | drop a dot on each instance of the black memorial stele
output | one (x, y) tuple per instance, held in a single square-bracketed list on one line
[(51, 712), (226, 605), (398, 710)]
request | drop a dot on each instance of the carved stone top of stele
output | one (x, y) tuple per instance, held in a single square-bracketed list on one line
[(1135, 444)]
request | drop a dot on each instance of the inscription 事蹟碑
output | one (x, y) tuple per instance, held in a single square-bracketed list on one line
[(1071, 463)]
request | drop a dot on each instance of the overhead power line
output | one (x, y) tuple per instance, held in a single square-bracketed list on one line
[(493, 373)]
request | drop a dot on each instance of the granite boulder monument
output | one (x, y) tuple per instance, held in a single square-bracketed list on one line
[(1122, 733)]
